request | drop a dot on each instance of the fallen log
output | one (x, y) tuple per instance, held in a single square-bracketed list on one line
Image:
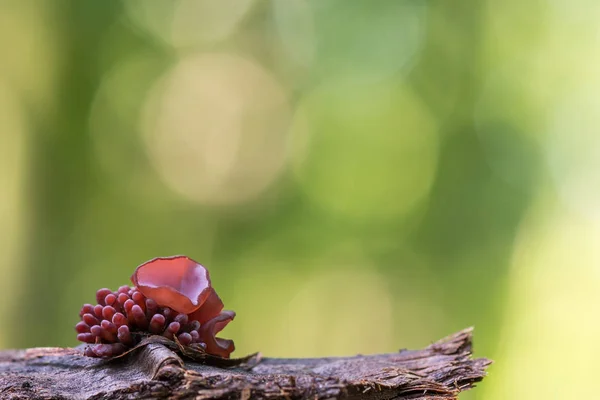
[(155, 371)]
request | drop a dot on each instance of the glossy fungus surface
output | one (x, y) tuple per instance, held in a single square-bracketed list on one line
[(214, 345), (177, 282), (211, 308), (172, 297)]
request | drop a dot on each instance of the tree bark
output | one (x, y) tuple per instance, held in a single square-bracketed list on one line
[(440, 371)]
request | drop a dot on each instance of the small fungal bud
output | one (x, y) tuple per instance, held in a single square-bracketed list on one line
[(103, 334), (110, 299), (192, 326), (128, 306), (169, 314), (151, 308), (98, 311), (171, 330), (119, 319), (174, 327), (86, 309), (157, 324), (108, 312), (139, 300), (185, 339), (123, 289), (124, 335), (101, 295), (182, 319), (140, 317), (82, 327), (108, 326), (107, 350), (122, 298), (90, 319), (86, 338)]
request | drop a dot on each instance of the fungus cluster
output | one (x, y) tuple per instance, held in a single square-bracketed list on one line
[(171, 296)]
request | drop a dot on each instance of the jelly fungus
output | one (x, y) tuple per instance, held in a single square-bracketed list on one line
[(171, 296)]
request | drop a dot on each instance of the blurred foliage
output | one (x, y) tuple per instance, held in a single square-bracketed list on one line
[(357, 176)]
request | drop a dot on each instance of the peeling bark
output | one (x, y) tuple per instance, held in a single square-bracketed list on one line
[(440, 371)]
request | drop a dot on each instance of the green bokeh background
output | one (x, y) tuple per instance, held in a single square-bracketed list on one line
[(358, 176)]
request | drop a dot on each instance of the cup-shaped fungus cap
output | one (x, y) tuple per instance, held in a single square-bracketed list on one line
[(212, 307), (177, 282), (214, 345)]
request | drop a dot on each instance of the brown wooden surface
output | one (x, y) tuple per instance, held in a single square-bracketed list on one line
[(440, 371)]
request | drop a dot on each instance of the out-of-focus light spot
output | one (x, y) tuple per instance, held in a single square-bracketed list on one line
[(188, 22), (513, 95), (343, 307), (295, 26), (576, 11), (509, 31), (351, 41), (573, 148), (216, 129), (12, 201), (549, 340), (207, 20), (114, 124), (340, 312), (365, 152), (535, 61)]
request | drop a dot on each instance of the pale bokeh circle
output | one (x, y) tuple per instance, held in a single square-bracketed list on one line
[(114, 123), (365, 152), (340, 312), (215, 128), (294, 23), (183, 23), (551, 309), (573, 150), (350, 40), (336, 310)]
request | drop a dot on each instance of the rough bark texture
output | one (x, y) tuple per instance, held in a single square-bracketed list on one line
[(440, 371)]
